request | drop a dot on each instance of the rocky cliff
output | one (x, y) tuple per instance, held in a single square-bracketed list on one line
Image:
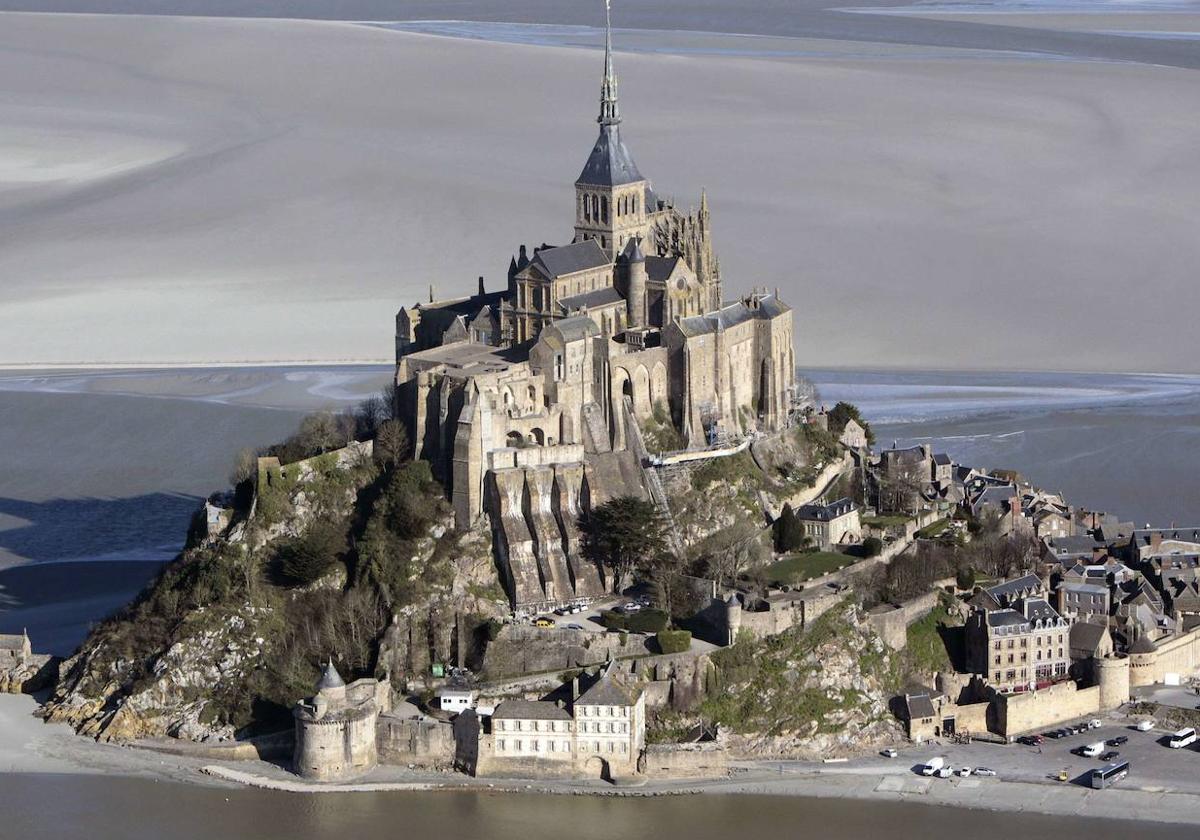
[(335, 553), (811, 693)]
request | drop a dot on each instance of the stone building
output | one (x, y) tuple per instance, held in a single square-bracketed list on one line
[(1019, 644), (335, 729), (601, 734), (831, 525), (523, 399)]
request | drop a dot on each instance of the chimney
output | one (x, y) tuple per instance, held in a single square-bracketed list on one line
[(1155, 540), (481, 292), (574, 689)]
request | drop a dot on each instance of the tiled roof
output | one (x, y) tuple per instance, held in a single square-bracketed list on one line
[(529, 710)]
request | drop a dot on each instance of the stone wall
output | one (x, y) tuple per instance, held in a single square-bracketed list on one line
[(891, 622), (685, 760), (1180, 655), (424, 742), (1032, 710)]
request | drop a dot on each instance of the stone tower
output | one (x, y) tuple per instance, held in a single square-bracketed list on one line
[(636, 298), (1112, 675), (611, 196)]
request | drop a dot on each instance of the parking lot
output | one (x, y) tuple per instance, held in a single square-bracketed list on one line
[(1153, 765)]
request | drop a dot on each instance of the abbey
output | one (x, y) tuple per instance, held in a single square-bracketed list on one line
[(526, 401)]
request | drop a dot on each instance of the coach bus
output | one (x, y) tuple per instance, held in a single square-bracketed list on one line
[(1109, 774), (1182, 738)]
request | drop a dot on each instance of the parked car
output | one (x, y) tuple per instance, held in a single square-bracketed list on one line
[(544, 622), (1144, 725), (889, 753), (562, 611), (574, 626), (1118, 741), (1095, 723), (964, 771), (1057, 733), (1109, 756), (984, 771), (945, 772)]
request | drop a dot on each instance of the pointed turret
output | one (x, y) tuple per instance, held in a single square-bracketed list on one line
[(330, 678)]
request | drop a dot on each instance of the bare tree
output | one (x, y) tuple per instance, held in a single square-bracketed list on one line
[(731, 551)]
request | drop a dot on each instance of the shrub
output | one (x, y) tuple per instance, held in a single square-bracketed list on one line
[(674, 641), (965, 577), (302, 560), (645, 621), (789, 532), (872, 546)]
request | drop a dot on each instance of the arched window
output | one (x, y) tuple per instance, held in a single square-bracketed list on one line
[(635, 204), (603, 241), (604, 208), (595, 207)]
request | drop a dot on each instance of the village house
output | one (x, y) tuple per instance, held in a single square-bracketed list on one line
[(600, 734), (835, 524), (1021, 643)]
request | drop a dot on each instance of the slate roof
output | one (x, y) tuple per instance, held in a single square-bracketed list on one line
[(1005, 618), (1064, 546), (610, 163), (1087, 636), (731, 315), (330, 678), (568, 259), (606, 692), (1039, 608), (1016, 586), (12, 642), (1141, 537), (942, 459), (592, 300), (573, 329), (919, 706), (659, 269), (826, 513), (529, 710), (1143, 644)]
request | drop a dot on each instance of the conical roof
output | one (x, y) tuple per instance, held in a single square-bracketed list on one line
[(330, 678), (1143, 644)]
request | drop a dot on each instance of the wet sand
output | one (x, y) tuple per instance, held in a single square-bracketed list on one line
[(246, 189)]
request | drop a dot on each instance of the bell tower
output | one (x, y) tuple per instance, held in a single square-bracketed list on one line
[(610, 193)]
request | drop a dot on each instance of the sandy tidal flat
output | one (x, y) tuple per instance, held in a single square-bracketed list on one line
[(245, 189)]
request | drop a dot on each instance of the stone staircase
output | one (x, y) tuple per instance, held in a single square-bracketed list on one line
[(650, 474)]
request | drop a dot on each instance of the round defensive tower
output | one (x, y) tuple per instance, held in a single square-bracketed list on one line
[(1112, 676), (1143, 662)]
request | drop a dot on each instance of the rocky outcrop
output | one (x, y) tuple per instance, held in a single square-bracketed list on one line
[(216, 648), (815, 693)]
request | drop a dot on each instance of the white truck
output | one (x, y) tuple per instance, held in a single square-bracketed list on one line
[(1094, 750), (932, 766)]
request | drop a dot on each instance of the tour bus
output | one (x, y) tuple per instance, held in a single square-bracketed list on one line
[(1109, 774), (1182, 738)]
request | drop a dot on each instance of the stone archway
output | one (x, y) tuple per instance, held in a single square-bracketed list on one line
[(597, 768)]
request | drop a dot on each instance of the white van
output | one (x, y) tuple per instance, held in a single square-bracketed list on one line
[(933, 766), (1094, 750), (1182, 738)]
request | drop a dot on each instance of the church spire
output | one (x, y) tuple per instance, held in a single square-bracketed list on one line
[(609, 113)]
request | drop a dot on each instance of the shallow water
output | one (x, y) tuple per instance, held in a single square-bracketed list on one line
[(98, 808)]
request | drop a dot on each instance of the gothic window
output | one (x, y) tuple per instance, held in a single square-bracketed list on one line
[(558, 367), (635, 200), (595, 207), (604, 208), (603, 241)]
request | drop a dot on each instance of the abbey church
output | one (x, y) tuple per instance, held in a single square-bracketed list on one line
[(527, 400)]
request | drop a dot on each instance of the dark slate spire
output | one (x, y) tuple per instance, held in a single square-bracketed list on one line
[(610, 163)]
